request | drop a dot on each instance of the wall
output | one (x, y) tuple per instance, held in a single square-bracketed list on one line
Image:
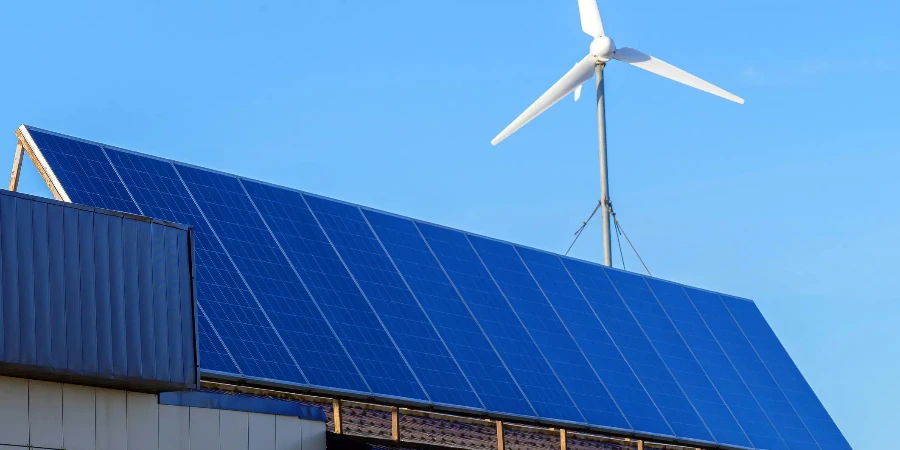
[(99, 296), (52, 415)]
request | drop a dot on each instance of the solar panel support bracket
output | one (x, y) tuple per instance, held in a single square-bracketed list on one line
[(17, 166), (395, 423), (40, 164), (336, 404)]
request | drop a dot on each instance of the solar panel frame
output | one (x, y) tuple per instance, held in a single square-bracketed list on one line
[(692, 379), (744, 358), (786, 373), (394, 303), (476, 287), (276, 383), (531, 306), (612, 367), (450, 303), (703, 344)]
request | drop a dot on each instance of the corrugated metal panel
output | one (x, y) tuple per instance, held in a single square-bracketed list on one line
[(96, 296)]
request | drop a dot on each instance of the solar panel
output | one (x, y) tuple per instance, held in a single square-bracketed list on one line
[(548, 332), (716, 364), (297, 290)]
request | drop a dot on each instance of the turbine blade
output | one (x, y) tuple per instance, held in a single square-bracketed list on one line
[(664, 69), (578, 92), (571, 80), (590, 18)]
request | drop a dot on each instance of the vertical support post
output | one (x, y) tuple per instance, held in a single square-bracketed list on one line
[(640, 445), (499, 435), (562, 439), (336, 404), (395, 423), (604, 175), (17, 166)]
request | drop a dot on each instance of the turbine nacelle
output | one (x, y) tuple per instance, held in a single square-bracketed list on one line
[(603, 48)]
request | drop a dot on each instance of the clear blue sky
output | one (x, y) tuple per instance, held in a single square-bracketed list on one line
[(790, 199)]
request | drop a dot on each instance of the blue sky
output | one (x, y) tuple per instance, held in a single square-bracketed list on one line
[(789, 200)]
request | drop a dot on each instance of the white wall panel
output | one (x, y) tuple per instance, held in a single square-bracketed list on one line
[(71, 417), (45, 414), (313, 435), (204, 429), (234, 430), (262, 432), (174, 428), (142, 423), (13, 411), (111, 411), (288, 433), (79, 412)]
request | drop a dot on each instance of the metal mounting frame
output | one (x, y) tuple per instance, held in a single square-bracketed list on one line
[(26, 145)]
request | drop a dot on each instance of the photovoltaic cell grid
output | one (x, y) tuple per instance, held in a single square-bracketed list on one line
[(301, 290)]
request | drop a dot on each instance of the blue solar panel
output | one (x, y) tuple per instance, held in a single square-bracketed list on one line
[(314, 347), (333, 288), (752, 370), (630, 339), (785, 372), (222, 294), (716, 365), (295, 289), (549, 333), (594, 340), (392, 300), (450, 316), (678, 358), (500, 324), (83, 169), (212, 351)]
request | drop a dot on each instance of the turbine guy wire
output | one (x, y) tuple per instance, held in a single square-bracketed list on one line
[(619, 229)]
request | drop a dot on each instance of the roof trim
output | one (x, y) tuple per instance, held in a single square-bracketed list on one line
[(212, 400)]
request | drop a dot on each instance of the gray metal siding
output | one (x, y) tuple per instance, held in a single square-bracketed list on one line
[(97, 295)]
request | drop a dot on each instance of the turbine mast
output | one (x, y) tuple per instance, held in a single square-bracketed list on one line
[(604, 174)]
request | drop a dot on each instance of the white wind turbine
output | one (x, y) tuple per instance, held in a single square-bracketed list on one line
[(601, 51)]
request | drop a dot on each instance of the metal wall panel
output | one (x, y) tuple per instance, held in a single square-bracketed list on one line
[(313, 435), (41, 283), (45, 414), (57, 284), (204, 429), (13, 402), (111, 416), (71, 265), (262, 432), (174, 427), (79, 417), (8, 239), (288, 433), (105, 297), (234, 430), (25, 258), (142, 423)]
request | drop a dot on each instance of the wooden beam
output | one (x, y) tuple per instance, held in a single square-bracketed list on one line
[(395, 423), (17, 166), (562, 439), (499, 435), (640, 445), (336, 403), (48, 179)]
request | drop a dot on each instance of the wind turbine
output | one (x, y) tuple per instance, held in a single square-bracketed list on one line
[(602, 50)]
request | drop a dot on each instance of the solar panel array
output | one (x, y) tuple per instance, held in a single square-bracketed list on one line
[(307, 291)]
